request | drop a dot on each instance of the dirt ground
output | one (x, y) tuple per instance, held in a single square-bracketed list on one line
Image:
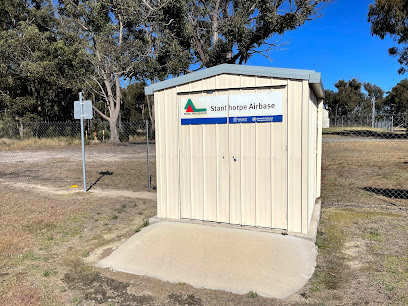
[(122, 167), (52, 235)]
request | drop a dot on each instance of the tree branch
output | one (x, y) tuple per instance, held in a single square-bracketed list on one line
[(100, 113)]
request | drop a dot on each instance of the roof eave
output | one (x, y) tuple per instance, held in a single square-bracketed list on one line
[(310, 75)]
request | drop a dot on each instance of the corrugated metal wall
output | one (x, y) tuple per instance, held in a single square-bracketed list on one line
[(260, 174)]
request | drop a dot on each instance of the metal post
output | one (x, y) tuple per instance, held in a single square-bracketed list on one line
[(392, 123), (82, 139), (148, 164), (373, 113)]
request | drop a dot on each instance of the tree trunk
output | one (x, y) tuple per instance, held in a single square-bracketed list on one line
[(114, 137)]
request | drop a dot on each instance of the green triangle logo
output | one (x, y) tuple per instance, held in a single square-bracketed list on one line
[(190, 108)]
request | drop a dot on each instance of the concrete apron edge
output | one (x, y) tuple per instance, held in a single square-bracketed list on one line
[(310, 236)]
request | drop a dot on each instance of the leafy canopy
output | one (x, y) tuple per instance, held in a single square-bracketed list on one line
[(389, 17), (224, 31), (397, 99)]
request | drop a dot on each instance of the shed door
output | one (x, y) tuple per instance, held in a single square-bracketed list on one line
[(234, 173)]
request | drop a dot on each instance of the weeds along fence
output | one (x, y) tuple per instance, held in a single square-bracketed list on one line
[(49, 154), (366, 161)]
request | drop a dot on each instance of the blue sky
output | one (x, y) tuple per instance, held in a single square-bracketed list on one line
[(340, 46)]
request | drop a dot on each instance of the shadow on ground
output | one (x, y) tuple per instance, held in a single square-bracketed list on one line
[(389, 193), (102, 174)]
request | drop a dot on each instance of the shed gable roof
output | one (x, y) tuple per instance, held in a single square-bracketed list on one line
[(313, 77)]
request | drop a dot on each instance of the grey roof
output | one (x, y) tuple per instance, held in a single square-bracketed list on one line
[(313, 77)]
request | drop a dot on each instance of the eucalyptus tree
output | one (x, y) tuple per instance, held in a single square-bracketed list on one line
[(389, 17), (114, 38), (396, 100), (231, 31), (36, 63), (192, 34), (347, 100)]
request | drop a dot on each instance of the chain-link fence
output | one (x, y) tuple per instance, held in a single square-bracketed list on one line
[(365, 161), (361, 163), (49, 154), (393, 122)]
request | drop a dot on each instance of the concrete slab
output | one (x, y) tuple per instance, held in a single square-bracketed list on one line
[(222, 258)]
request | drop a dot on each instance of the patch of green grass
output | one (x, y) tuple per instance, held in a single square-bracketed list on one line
[(85, 254), (252, 294), (317, 281), (114, 217), (389, 288), (145, 223), (75, 301), (120, 209), (319, 240), (27, 256), (50, 272), (374, 234), (140, 213)]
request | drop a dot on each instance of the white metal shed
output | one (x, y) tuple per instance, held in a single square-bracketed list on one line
[(240, 145)]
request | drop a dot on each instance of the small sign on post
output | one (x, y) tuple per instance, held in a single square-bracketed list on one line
[(87, 109), (83, 110)]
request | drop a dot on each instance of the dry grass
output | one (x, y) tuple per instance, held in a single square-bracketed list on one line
[(7, 144), (351, 129), (352, 168), (48, 240), (363, 250)]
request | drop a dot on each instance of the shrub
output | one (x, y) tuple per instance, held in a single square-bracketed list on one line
[(8, 129)]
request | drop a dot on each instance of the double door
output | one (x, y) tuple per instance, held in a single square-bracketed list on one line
[(234, 173)]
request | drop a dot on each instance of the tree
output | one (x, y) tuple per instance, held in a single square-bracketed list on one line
[(375, 95), (115, 42), (396, 100), (169, 45), (222, 31), (36, 64), (347, 100), (389, 17), (195, 34), (134, 102)]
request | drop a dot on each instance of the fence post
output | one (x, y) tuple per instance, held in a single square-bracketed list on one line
[(392, 123), (148, 164)]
